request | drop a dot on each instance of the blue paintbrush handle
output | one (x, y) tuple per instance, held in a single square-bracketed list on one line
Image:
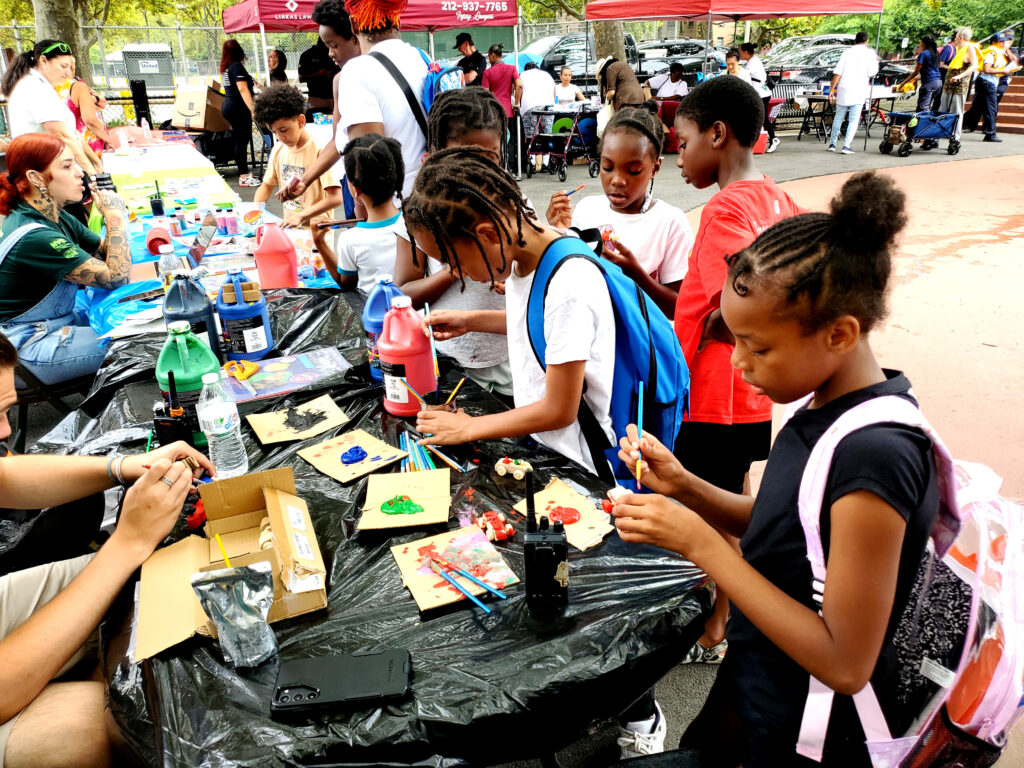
[(464, 591), (475, 580)]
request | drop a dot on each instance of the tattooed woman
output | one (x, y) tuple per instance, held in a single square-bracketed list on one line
[(46, 254)]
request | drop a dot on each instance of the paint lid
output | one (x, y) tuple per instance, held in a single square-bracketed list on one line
[(211, 378), (385, 278), (401, 302)]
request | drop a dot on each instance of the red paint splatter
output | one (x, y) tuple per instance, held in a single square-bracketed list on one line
[(606, 505), (317, 455), (405, 550), (567, 515), (470, 493)]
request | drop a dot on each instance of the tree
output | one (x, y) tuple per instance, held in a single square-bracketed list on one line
[(57, 19)]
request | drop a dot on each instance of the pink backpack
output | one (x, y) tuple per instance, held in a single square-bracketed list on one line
[(960, 639)]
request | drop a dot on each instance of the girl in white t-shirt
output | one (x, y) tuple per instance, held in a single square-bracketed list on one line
[(647, 237), (565, 91), (460, 118)]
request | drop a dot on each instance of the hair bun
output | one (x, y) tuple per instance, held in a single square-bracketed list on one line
[(868, 212), (651, 106)]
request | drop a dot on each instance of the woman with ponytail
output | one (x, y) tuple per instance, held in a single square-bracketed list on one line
[(45, 254), (30, 85)]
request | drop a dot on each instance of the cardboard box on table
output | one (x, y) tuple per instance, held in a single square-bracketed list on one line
[(169, 611), (198, 108)]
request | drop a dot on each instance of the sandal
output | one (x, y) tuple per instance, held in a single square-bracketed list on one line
[(698, 654), (248, 181)]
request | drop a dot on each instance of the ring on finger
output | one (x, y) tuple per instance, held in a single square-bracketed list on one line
[(165, 479)]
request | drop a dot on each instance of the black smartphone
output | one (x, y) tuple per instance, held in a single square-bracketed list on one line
[(364, 677)]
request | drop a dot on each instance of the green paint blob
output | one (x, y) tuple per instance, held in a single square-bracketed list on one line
[(400, 505)]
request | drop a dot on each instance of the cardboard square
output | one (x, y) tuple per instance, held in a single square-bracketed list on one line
[(430, 489), (466, 548), (326, 456), (271, 427), (593, 524)]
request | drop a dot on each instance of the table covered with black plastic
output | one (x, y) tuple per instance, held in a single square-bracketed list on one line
[(485, 688)]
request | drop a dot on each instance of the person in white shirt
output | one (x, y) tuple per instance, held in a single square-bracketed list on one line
[(33, 105), (374, 102), (671, 85), (851, 87), (538, 92), (732, 66), (648, 238), (759, 79), (565, 91)]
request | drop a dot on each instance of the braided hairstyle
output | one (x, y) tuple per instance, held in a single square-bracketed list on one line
[(457, 187), (461, 111), (835, 263), (375, 167), (642, 120)]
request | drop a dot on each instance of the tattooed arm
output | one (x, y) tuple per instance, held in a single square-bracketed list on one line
[(113, 272)]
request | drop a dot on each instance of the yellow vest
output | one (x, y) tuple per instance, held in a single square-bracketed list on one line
[(999, 61)]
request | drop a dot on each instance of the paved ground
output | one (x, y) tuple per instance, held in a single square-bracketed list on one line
[(956, 312)]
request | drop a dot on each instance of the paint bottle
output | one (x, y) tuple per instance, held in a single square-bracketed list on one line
[(377, 305), (246, 324), (188, 359), (276, 260), (231, 221), (168, 265), (222, 225), (174, 226), (187, 300), (405, 355)]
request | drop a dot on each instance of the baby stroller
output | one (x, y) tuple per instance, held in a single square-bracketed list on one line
[(573, 135), (927, 127)]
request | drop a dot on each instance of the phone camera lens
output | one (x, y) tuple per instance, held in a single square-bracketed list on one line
[(285, 698), (298, 697)]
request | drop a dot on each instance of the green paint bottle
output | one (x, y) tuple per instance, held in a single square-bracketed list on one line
[(188, 359)]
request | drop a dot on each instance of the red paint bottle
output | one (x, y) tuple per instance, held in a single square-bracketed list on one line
[(405, 354)]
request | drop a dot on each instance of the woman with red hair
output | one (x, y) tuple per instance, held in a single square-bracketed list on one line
[(46, 253), (238, 106)]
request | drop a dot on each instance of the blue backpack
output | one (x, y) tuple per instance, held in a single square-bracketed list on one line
[(646, 350), (438, 81)]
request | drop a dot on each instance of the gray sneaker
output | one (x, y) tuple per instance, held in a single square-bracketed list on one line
[(847, 151), (831, 147), (698, 654)]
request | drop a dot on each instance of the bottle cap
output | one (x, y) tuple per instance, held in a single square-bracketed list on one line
[(167, 248), (234, 269), (179, 326), (211, 378), (401, 302), (385, 278)]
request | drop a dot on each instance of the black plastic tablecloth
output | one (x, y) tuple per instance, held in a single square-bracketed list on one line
[(485, 688)]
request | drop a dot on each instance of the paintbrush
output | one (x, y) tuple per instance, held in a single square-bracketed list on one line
[(449, 566), (413, 392), (455, 391), (450, 462), (440, 571), (639, 431)]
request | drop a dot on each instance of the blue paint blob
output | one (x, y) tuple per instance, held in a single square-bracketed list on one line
[(353, 455)]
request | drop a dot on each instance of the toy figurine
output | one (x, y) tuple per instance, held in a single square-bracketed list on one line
[(516, 467), (496, 526)]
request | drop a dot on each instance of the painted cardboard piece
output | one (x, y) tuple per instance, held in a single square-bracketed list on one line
[(592, 525), (466, 548), (430, 490), (326, 456), (273, 427)]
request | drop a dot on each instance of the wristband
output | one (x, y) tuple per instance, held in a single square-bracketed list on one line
[(117, 471), (110, 461)]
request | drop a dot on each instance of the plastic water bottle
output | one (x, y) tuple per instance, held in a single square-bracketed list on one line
[(168, 265), (218, 418), (146, 132)]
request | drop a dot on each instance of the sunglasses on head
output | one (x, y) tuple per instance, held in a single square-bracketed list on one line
[(62, 47)]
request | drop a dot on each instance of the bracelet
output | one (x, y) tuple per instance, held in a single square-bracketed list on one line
[(117, 471), (110, 462)]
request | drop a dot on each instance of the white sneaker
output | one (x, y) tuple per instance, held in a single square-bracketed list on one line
[(635, 744), (774, 145), (847, 151), (831, 147)]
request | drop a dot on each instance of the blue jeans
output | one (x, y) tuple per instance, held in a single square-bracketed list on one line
[(850, 113), (48, 341)]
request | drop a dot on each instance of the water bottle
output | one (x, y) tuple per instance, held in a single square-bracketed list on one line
[(168, 264), (146, 132), (218, 418)]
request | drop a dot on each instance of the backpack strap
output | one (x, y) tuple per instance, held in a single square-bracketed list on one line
[(557, 254), (880, 410), (13, 238), (410, 97)]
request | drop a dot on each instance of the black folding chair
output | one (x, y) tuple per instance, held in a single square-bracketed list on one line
[(31, 390)]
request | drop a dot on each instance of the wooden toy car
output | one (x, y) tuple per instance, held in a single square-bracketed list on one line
[(516, 467), (496, 526)]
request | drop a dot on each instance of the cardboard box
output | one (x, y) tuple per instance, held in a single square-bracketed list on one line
[(169, 611), (198, 109)]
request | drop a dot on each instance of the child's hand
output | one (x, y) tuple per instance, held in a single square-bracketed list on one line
[(444, 427), (293, 219), (618, 254), (559, 213), (715, 329), (292, 190), (648, 518), (660, 470), (446, 324)]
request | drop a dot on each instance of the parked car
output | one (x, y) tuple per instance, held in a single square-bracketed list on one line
[(816, 64), (575, 51), (791, 45), (683, 46), (691, 67)]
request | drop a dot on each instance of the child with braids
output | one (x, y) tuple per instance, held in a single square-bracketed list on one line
[(652, 238), (460, 118), (375, 172), (801, 302)]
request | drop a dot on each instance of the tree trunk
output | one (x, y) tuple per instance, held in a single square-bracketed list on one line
[(57, 19), (608, 40)]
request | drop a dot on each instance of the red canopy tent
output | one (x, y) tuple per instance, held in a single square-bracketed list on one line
[(725, 10)]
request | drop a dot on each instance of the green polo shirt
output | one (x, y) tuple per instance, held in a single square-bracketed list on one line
[(41, 257)]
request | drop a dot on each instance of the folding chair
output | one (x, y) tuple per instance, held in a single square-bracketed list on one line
[(31, 390), (265, 146)]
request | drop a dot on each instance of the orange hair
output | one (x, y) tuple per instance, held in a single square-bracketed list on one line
[(373, 15)]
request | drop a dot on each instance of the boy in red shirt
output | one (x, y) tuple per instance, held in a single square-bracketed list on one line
[(730, 422)]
